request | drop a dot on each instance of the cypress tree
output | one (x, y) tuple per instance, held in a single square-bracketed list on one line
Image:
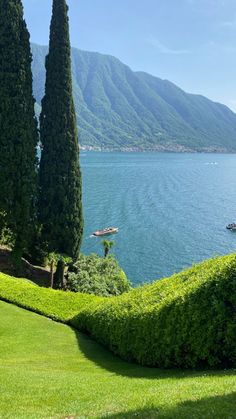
[(18, 126), (60, 208)]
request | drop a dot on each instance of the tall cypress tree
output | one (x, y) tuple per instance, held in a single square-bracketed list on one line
[(18, 126), (60, 208)]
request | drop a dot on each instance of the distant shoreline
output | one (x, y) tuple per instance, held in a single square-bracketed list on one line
[(159, 149)]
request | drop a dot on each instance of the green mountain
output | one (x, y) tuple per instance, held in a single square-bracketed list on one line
[(119, 109)]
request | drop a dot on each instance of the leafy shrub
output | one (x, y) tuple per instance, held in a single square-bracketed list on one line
[(188, 320), (6, 237), (100, 276)]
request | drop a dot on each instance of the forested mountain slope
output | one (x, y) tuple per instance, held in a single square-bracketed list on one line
[(120, 109)]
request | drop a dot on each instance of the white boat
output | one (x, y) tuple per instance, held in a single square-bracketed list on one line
[(106, 231), (231, 227)]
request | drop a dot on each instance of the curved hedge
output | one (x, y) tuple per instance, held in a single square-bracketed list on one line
[(187, 320), (58, 305)]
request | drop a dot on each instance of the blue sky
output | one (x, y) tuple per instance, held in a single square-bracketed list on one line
[(190, 42)]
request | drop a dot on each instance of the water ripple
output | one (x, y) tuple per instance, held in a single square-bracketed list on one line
[(171, 209)]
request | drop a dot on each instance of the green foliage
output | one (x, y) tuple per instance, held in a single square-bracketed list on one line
[(61, 261), (6, 236), (107, 246), (188, 320), (57, 305), (60, 203), (118, 108), (94, 275), (36, 253), (18, 127), (55, 257)]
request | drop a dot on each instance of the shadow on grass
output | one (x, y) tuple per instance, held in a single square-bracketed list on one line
[(108, 361), (218, 407)]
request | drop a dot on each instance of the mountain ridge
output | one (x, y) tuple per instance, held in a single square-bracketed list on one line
[(119, 109)]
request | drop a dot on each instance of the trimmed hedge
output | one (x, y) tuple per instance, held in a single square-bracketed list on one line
[(58, 305), (187, 321)]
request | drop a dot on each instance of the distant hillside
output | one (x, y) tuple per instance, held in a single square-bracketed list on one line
[(120, 109)]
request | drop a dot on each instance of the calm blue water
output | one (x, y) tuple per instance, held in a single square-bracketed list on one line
[(171, 209)]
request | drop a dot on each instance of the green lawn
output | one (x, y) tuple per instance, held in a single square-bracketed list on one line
[(47, 370)]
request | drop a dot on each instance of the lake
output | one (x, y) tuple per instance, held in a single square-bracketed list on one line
[(171, 209)]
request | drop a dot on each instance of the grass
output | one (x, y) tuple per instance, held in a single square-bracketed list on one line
[(185, 321), (48, 370)]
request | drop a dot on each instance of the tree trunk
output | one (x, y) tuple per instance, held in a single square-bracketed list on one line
[(52, 274), (17, 259), (60, 275)]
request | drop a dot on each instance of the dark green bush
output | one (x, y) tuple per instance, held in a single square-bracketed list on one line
[(187, 321), (100, 276)]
